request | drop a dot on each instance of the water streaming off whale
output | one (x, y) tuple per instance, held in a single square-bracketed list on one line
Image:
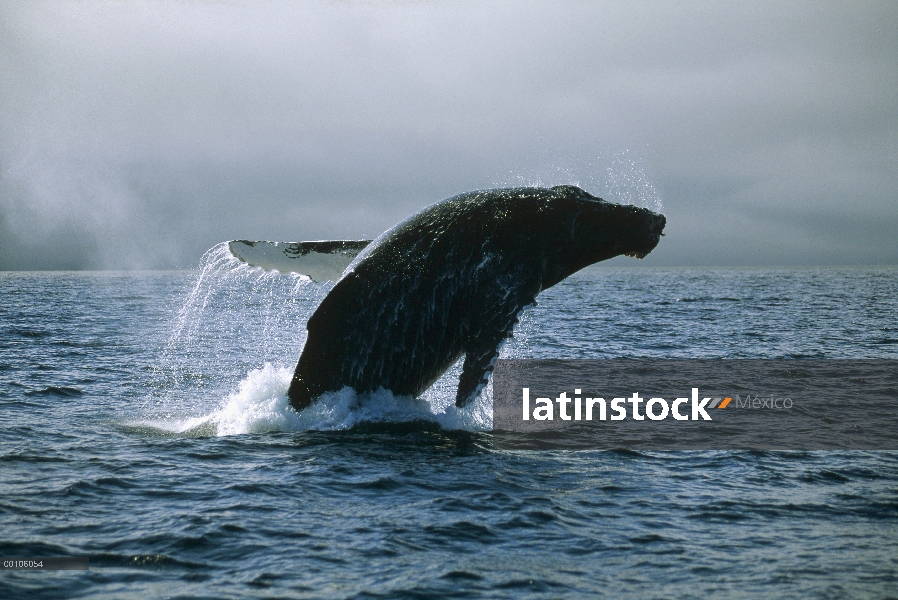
[(232, 388)]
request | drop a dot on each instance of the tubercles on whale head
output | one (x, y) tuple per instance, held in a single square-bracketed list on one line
[(606, 230), (599, 230)]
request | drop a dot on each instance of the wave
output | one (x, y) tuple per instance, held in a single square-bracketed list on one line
[(261, 405), (56, 390)]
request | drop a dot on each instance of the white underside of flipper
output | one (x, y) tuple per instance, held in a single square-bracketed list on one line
[(320, 261)]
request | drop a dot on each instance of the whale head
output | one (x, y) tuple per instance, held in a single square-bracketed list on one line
[(600, 230), (603, 230)]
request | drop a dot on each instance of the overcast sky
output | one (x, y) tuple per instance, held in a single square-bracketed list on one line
[(139, 134)]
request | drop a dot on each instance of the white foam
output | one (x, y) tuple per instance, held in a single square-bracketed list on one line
[(260, 405)]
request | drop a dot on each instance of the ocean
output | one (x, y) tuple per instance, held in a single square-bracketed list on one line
[(145, 426)]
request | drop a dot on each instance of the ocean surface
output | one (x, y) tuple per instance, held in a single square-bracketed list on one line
[(144, 424)]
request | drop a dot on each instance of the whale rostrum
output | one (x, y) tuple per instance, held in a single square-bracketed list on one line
[(446, 283)]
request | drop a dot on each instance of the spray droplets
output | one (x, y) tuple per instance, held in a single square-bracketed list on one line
[(234, 318), (241, 328), (618, 177)]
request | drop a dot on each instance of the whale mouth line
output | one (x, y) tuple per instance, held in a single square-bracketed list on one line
[(653, 239)]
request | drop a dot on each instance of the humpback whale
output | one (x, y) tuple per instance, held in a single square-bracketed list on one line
[(451, 281)]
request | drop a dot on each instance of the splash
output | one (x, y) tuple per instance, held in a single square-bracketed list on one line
[(234, 318), (220, 274), (260, 405)]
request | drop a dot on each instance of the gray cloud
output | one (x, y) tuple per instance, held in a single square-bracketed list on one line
[(138, 134)]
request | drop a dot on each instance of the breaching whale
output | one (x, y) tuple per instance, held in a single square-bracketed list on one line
[(451, 281)]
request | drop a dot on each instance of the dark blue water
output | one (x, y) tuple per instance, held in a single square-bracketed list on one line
[(141, 427)]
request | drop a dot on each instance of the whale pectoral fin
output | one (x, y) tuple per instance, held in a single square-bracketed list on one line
[(475, 373), (488, 336), (320, 261)]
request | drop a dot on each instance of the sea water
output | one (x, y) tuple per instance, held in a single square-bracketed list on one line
[(144, 424)]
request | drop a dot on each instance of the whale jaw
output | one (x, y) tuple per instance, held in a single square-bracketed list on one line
[(653, 234)]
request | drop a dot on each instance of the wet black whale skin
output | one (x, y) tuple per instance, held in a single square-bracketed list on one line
[(451, 281)]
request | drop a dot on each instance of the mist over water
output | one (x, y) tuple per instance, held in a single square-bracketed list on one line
[(136, 135)]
